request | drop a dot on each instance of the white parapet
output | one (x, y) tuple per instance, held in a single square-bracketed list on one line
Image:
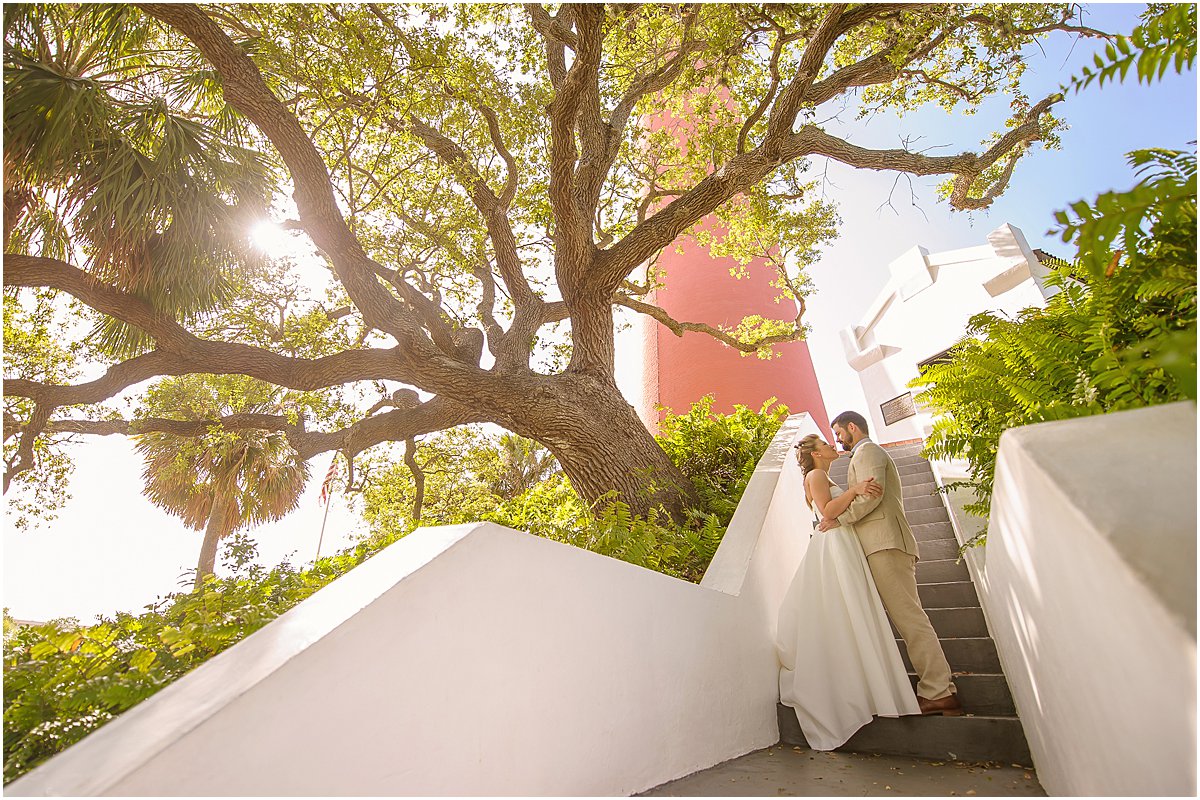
[(1090, 590), (477, 660)]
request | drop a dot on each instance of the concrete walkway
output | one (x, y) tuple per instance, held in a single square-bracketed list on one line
[(785, 771)]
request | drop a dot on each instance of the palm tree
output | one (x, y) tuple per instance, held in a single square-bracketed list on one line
[(523, 463), (121, 155), (224, 480)]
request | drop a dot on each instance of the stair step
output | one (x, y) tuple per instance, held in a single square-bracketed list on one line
[(956, 594), (974, 738), (905, 460), (965, 738), (913, 467), (927, 515), (929, 531), (904, 449), (945, 570), (965, 655), (926, 489), (938, 550), (921, 503), (955, 623), (983, 695)]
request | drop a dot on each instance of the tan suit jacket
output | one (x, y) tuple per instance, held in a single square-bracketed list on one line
[(878, 521)]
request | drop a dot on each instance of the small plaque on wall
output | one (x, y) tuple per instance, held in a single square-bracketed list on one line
[(898, 408)]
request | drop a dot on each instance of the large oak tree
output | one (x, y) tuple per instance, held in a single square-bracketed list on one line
[(479, 180)]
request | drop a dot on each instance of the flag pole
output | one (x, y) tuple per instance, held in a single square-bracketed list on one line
[(327, 497), (321, 538)]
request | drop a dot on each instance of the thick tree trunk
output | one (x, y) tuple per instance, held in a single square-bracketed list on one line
[(602, 445), (213, 532)]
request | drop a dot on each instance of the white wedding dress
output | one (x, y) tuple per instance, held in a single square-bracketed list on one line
[(839, 664)]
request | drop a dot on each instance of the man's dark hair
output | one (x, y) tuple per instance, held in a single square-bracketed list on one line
[(846, 417)]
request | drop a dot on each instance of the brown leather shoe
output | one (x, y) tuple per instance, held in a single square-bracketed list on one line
[(947, 706)]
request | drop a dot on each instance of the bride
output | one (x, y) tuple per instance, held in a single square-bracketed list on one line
[(839, 662)]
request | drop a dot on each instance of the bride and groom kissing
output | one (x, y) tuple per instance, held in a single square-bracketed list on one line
[(839, 662)]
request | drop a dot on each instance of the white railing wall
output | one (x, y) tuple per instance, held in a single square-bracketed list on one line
[(473, 660), (1088, 581)]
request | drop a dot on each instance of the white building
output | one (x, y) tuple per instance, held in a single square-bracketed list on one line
[(923, 310)]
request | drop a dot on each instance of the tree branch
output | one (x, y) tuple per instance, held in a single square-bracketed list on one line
[(679, 328), (433, 415), (510, 180), (769, 96), (504, 242), (245, 90), (557, 35), (966, 167), (572, 224), (181, 352), (24, 459), (787, 105)]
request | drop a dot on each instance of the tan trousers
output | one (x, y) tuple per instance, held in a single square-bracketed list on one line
[(895, 574)]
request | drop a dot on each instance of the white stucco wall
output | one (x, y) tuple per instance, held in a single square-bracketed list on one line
[(924, 309), (477, 660), (1089, 585)]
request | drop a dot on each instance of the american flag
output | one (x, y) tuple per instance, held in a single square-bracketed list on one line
[(329, 476)]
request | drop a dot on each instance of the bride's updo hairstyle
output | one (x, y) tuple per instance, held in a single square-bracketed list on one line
[(804, 451)]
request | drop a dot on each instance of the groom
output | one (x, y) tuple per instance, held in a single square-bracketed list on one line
[(891, 554)]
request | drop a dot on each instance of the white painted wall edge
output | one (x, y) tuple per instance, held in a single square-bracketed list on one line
[(711, 683), (99, 760), (1102, 669), (1143, 504), (730, 564)]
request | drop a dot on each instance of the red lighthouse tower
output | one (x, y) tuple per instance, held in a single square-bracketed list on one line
[(679, 370), (699, 287)]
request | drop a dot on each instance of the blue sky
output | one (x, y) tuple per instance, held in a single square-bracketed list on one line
[(112, 550)]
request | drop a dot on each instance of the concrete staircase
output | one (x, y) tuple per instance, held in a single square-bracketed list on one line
[(990, 730)]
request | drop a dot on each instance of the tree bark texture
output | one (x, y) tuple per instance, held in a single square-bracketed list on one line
[(214, 531), (418, 476), (601, 444)]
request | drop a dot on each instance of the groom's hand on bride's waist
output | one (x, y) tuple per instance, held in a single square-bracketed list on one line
[(826, 524)]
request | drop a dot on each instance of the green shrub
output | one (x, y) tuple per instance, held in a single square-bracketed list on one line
[(718, 452)]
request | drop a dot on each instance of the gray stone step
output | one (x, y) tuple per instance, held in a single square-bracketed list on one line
[(965, 738), (784, 770), (904, 449), (927, 531), (928, 489), (983, 695), (921, 503), (976, 656), (955, 623), (959, 594), (920, 468), (907, 467), (927, 515), (945, 570), (904, 461), (937, 549), (974, 738)]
